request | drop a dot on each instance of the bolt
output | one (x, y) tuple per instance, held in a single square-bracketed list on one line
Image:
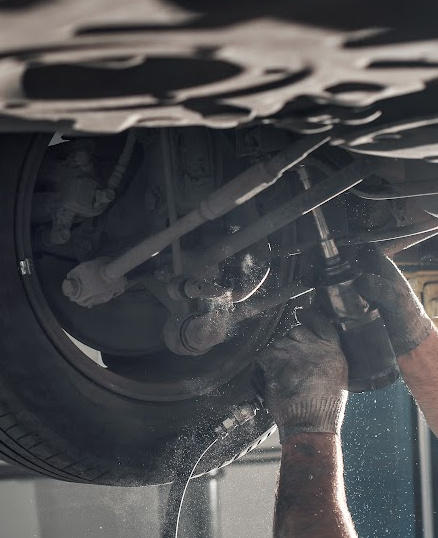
[(203, 332), (202, 289), (71, 288)]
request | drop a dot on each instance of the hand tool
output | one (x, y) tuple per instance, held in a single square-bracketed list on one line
[(364, 339)]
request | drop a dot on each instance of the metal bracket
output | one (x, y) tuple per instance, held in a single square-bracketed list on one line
[(26, 267)]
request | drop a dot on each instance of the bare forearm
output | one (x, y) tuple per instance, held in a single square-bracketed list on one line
[(311, 495), (419, 369)]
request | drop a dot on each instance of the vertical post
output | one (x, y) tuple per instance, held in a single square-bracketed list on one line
[(166, 149), (427, 508), (419, 281), (200, 516)]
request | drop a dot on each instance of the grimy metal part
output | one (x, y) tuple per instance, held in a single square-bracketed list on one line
[(106, 65), (301, 204), (329, 248), (239, 190), (198, 333), (245, 186), (408, 189)]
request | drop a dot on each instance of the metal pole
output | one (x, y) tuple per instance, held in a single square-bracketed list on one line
[(328, 246), (300, 205), (200, 516), (166, 149), (245, 186), (427, 508)]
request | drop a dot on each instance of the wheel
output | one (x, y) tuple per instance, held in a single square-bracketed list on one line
[(65, 416)]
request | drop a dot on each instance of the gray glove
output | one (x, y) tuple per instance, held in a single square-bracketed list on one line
[(305, 378), (383, 285)]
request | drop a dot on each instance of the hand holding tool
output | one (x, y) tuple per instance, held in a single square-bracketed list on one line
[(364, 339)]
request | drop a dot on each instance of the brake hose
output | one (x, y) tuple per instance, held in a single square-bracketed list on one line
[(188, 459)]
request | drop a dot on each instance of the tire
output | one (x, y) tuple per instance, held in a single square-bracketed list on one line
[(55, 419)]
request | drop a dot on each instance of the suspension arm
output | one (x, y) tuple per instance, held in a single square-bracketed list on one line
[(301, 204), (93, 282)]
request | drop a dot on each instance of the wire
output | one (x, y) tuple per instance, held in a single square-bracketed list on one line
[(179, 488), (390, 234), (394, 191), (123, 161)]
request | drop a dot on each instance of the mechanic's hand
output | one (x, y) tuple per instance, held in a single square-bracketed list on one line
[(383, 284), (306, 378)]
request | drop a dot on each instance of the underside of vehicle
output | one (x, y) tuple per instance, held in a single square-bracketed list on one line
[(154, 230)]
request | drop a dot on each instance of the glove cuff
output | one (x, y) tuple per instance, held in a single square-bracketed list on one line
[(324, 415), (419, 329)]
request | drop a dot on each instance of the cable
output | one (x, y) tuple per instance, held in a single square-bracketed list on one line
[(391, 234), (188, 459), (178, 491), (406, 189), (123, 161), (401, 232)]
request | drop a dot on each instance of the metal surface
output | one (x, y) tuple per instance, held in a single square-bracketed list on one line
[(234, 193), (409, 189), (231, 195), (96, 66), (85, 286), (196, 334), (391, 236), (255, 306), (181, 288), (123, 161), (426, 471), (411, 138), (70, 192), (170, 198), (26, 267), (358, 325), (430, 302), (425, 286), (300, 205), (328, 246)]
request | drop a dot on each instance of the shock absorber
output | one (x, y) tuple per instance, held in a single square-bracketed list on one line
[(364, 339)]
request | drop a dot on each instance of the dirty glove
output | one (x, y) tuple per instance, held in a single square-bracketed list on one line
[(383, 285), (305, 376)]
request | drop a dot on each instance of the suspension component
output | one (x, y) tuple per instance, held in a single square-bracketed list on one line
[(234, 193), (85, 286), (196, 334), (182, 288)]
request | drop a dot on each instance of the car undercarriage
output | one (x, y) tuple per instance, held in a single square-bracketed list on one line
[(154, 231)]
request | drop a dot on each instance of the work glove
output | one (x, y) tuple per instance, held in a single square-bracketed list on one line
[(306, 377), (383, 285)]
